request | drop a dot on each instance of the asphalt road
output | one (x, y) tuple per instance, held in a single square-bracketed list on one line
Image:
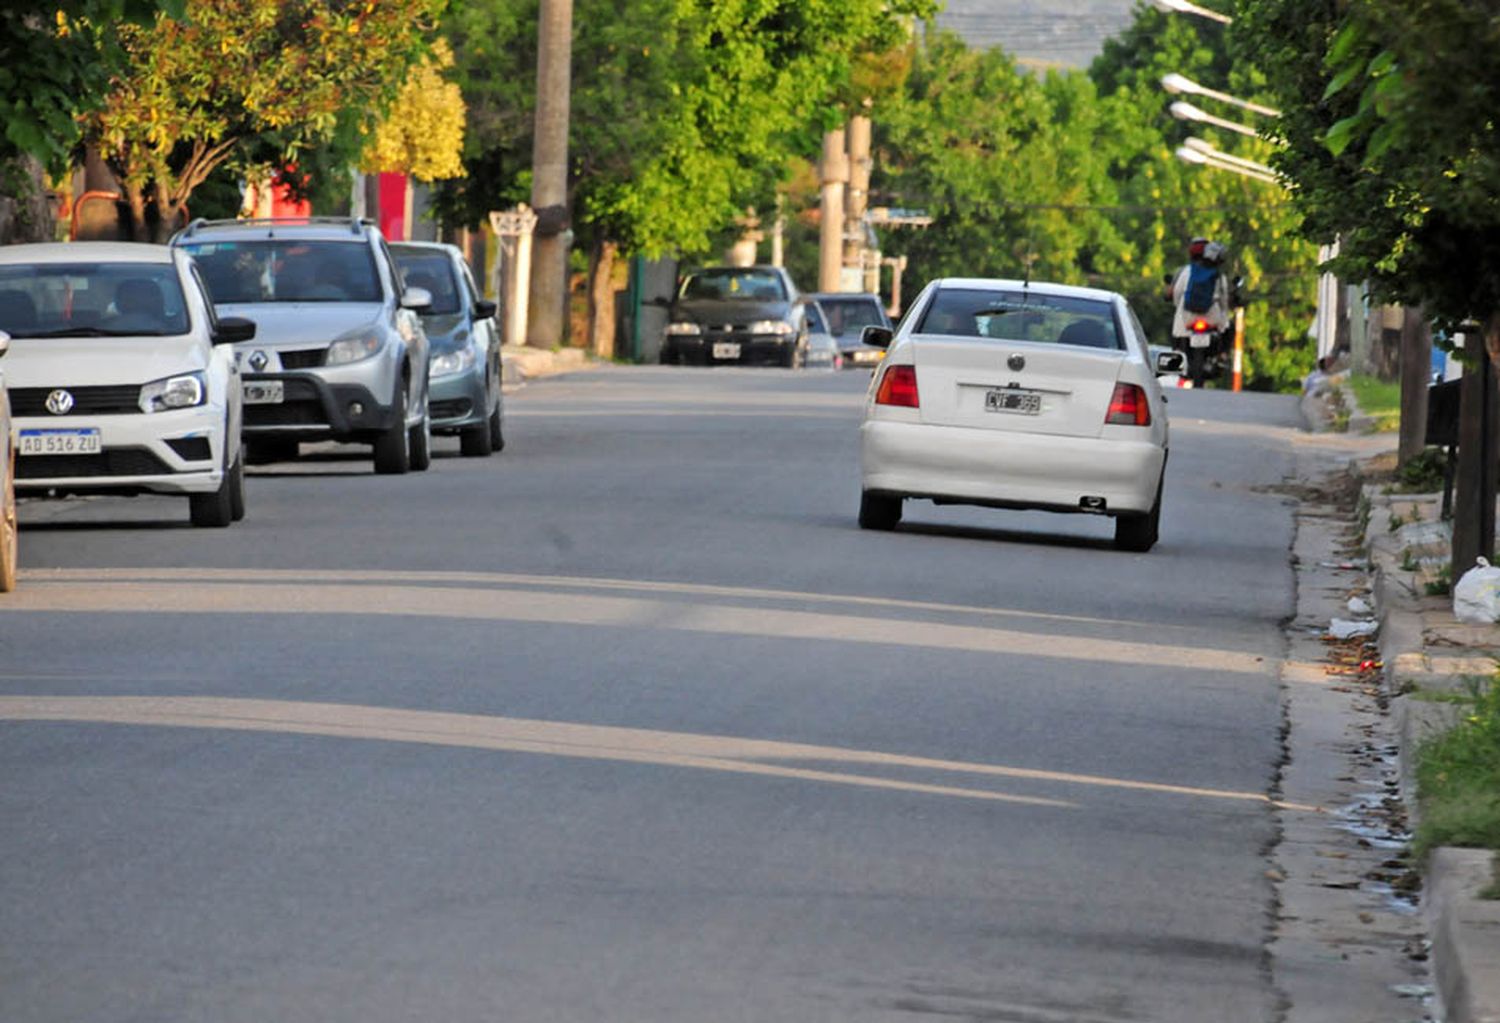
[(632, 723)]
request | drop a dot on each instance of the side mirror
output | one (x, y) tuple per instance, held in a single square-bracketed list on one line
[(4, 342), (1168, 363), (416, 299), (233, 329), (877, 337), (657, 301), (484, 309)]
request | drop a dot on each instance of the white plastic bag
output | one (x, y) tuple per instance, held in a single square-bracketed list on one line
[(1476, 598)]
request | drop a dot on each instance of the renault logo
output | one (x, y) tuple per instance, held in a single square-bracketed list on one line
[(259, 360), (59, 403), (1016, 363)]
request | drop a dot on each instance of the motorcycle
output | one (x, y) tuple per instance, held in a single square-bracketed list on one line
[(1204, 349)]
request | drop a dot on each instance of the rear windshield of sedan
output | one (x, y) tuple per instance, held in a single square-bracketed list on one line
[(277, 270), (433, 271), (92, 300), (759, 285), (852, 315), (1018, 316)]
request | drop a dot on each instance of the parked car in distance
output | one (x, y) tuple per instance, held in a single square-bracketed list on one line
[(849, 313), (121, 376), (736, 314), (822, 350), (8, 525), (1017, 395), (463, 346), (340, 354)]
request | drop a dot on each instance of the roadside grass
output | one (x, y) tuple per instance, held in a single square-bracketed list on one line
[(1377, 399), (1458, 778)]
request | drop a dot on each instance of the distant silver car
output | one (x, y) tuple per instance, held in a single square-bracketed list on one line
[(822, 349), (464, 346), (340, 352), (848, 314)]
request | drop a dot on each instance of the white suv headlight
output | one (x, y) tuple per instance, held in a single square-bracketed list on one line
[(352, 349), (684, 328), (183, 391), (450, 363), (780, 327)]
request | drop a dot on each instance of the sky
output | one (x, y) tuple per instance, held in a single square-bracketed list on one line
[(1044, 33)]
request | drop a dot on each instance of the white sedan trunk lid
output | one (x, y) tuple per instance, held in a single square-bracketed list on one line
[(1015, 386)]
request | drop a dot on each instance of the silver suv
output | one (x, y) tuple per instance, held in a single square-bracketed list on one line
[(339, 352)]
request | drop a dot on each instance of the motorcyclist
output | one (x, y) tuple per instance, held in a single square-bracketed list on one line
[(1206, 254)]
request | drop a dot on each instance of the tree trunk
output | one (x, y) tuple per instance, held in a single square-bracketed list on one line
[(602, 299), (1416, 374), (25, 209), (135, 199)]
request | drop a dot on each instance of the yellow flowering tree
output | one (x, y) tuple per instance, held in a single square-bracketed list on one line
[(291, 73), (423, 132)]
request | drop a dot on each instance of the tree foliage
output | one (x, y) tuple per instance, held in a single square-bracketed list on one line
[(423, 132), (1390, 140), (684, 111), (236, 72)]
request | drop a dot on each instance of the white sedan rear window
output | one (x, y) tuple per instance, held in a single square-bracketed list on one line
[(1018, 316)]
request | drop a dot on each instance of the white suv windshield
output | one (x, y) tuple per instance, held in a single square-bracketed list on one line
[(287, 270), (91, 300)]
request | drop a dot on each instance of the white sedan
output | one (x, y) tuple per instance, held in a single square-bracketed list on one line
[(122, 379), (1010, 394)]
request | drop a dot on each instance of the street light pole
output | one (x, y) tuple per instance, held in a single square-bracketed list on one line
[(1179, 84), (1185, 111), (1185, 7)]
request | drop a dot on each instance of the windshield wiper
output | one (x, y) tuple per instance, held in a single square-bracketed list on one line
[(91, 332)]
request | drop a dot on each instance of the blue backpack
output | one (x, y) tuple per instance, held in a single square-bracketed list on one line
[(1202, 283)]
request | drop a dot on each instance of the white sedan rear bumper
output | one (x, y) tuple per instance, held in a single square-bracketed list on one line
[(1009, 469)]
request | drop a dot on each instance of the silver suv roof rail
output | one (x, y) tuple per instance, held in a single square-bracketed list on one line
[(356, 225)]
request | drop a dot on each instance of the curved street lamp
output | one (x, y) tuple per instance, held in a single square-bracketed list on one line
[(1185, 111), (1184, 7), (1181, 84)]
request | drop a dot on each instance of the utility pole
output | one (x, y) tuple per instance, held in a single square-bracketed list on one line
[(834, 173), (1474, 491), (548, 323), (857, 198)]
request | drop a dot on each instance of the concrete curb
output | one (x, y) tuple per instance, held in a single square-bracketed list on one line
[(1465, 932)]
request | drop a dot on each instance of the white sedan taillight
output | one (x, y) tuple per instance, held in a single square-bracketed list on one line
[(1128, 407), (898, 387)]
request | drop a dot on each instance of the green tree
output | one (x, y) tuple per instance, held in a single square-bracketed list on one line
[(685, 112), (56, 60), (1389, 140), (234, 73)]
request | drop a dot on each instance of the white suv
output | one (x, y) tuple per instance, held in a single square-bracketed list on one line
[(122, 379)]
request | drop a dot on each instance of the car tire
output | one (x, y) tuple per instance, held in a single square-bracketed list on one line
[(9, 543), (879, 511), (393, 447), (264, 452), (237, 488), (215, 510), (497, 435), (1139, 533), (420, 444)]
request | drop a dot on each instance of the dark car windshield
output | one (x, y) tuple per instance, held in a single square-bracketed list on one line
[(91, 300), (284, 270), (1018, 316), (433, 271), (852, 315), (759, 285)]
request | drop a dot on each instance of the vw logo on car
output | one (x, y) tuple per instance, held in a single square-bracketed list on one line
[(59, 402)]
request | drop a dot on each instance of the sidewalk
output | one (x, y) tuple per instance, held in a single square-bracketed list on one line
[(1398, 544)]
